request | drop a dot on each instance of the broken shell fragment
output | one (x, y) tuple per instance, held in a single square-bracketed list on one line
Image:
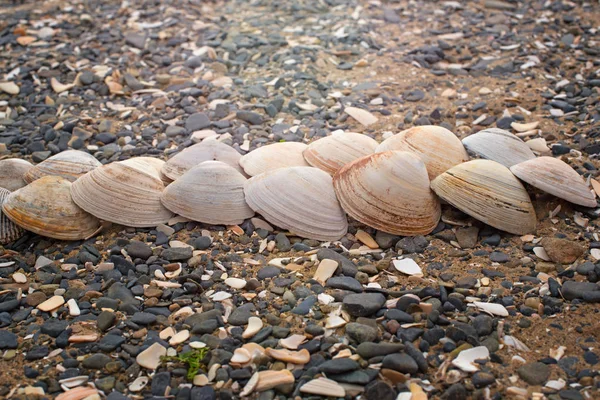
[(557, 178), (489, 192), (439, 148), (45, 207), (255, 324), (273, 156), (270, 379), (125, 192), (299, 199), (207, 150), (12, 173), (9, 231), (211, 192), (498, 145), (333, 152), (70, 164), (389, 191), (323, 387)]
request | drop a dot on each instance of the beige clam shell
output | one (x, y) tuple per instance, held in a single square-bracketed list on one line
[(69, 164), (390, 192), (211, 192), (557, 178), (438, 147), (12, 173), (333, 152), (125, 192), (489, 192), (9, 231), (498, 145), (299, 199), (45, 207), (273, 156), (158, 165), (207, 150)]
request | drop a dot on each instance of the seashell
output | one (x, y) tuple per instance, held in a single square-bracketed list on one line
[(389, 191), (364, 117), (45, 207), (125, 192), (270, 379), (294, 357), (498, 145), (208, 150), (69, 164), (211, 192), (466, 358), (12, 172), (325, 270), (408, 266), (292, 342), (333, 152), (299, 199), (150, 358), (255, 324), (323, 387), (179, 337), (9, 231), (79, 393), (492, 308), (51, 304), (557, 178), (158, 165), (489, 192), (437, 147), (274, 156)]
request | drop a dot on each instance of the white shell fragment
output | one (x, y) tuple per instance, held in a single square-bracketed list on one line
[(390, 192), (466, 358), (150, 358), (364, 117), (299, 199), (439, 148), (255, 324), (498, 145), (273, 156), (557, 178), (492, 308), (489, 192), (69, 164), (211, 192), (333, 152), (408, 266)]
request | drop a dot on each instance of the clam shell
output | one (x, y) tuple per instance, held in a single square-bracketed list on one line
[(158, 165), (125, 192), (212, 192), (389, 191), (438, 147), (557, 178), (299, 199), (12, 172), (498, 145), (333, 152), (9, 232), (489, 192), (69, 164), (45, 207), (208, 150), (273, 156)]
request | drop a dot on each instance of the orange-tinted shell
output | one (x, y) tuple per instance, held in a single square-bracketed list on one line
[(333, 152), (69, 164)]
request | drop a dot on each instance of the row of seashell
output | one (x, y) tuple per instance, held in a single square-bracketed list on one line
[(394, 186)]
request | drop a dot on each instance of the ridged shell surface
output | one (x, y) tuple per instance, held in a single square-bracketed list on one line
[(69, 164), (273, 156), (9, 231), (207, 150), (125, 192), (498, 145), (333, 152), (489, 192), (389, 191), (45, 207), (299, 199), (437, 147), (12, 173), (557, 178), (211, 192)]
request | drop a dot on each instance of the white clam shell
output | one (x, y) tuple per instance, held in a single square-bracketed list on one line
[(69, 164), (12, 173), (208, 150), (438, 147), (489, 192), (9, 231), (498, 145), (299, 199), (389, 191), (125, 192), (333, 152), (557, 178), (211, 192), (274, 156), (45, 207)]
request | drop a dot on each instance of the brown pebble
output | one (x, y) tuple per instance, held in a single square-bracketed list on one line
[(36, 298)]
